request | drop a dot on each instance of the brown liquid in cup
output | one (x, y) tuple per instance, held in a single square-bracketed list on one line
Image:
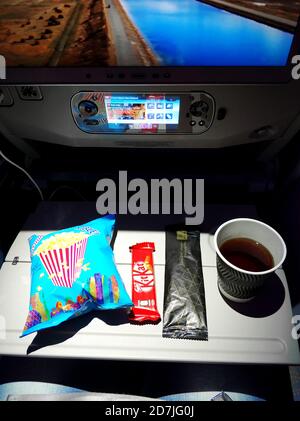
[(247, 254)]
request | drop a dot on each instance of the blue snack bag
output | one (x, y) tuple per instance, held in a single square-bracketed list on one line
[(73, 272)]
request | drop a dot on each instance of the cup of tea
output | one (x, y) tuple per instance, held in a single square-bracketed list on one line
[(248, 252)]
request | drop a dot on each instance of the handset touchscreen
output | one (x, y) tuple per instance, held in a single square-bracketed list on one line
[(142, 109)]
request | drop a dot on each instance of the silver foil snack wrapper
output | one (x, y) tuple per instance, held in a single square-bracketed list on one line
[(184, 298)]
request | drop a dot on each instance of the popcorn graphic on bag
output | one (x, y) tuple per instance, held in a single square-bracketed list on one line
[(62, 256)]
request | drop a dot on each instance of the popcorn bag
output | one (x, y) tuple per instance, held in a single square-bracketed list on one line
[(73, 272)]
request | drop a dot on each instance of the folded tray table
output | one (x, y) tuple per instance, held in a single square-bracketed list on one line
[(233, 335)]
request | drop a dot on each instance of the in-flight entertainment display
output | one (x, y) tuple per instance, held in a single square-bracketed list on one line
[(161, 33), (118, 112), (142, 109)]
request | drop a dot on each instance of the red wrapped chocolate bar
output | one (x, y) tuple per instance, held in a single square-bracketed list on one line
[(143, 285)]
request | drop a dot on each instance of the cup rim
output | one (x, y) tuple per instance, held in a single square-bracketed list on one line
[(248, 272)]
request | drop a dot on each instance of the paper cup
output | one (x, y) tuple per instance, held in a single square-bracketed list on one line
[(239, 284)]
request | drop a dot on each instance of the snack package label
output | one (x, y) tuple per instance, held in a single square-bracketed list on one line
[(73, 272), (143, 285)]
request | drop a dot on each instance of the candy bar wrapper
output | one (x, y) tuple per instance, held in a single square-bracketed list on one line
[(184, 298), (143, 285)]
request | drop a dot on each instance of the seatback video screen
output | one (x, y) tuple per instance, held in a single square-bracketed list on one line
[(104, 33)]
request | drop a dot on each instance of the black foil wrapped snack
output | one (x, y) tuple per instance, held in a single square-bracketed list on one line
[(184, 298)]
